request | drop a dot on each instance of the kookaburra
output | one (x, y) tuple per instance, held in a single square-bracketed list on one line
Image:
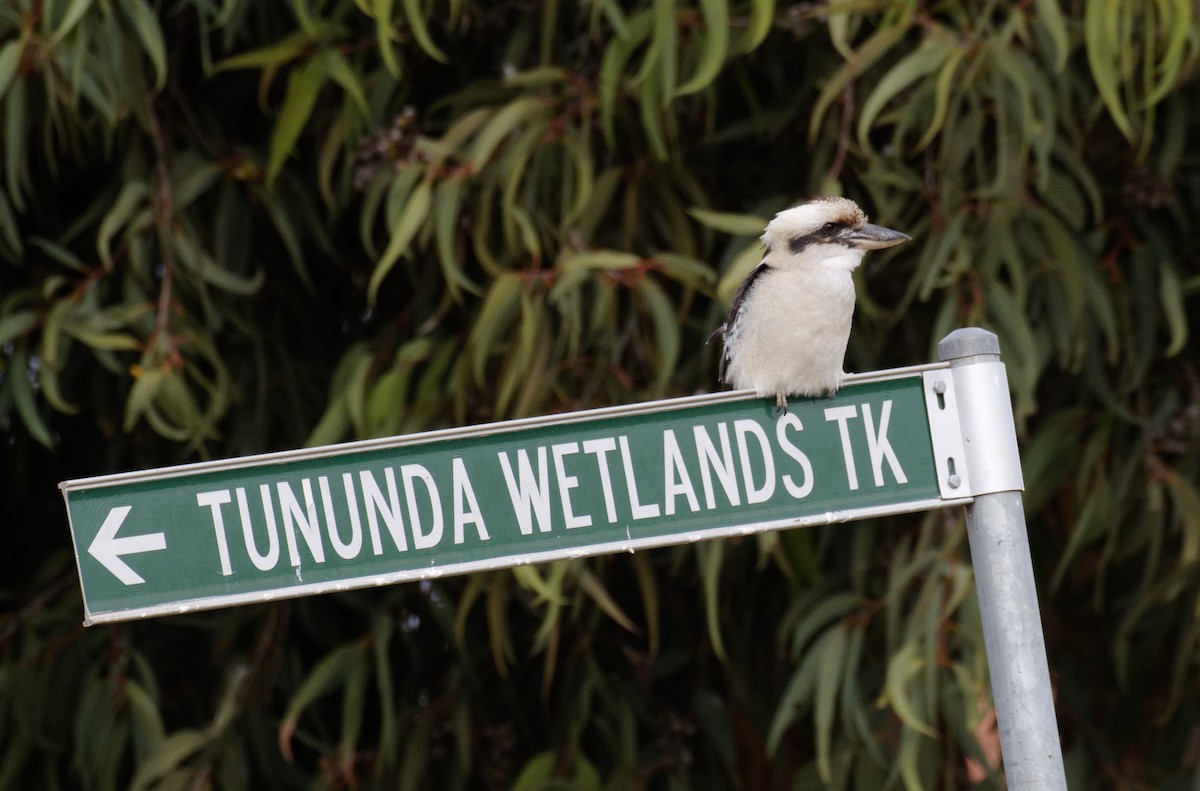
[(786, 331)]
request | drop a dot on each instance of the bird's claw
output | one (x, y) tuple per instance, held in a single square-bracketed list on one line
[(781, 403)]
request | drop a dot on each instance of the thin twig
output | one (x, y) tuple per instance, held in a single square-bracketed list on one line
[(843, 140), (164, 218), (35, 605)]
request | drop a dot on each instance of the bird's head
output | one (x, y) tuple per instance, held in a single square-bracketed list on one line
[(824, 232)]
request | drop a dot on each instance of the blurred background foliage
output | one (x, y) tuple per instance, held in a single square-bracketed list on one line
[(230, 227)]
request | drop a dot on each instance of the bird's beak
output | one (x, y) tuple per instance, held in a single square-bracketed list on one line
[(876, 237)]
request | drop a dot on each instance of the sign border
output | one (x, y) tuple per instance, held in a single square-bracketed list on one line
[(466, 567), (479, 430)]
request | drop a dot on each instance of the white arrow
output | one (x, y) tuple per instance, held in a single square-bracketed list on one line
[(108, 549)]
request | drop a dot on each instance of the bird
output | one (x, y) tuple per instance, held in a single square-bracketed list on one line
[(789, 323)]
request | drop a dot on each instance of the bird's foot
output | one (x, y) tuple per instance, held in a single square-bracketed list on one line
[(831, 391), (781, 403)]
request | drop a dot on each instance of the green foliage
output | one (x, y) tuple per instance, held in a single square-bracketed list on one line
[(230, 227)]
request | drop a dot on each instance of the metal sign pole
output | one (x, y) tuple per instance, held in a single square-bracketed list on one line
[(1012, 625)]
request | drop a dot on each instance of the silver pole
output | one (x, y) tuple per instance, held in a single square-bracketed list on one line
[(1012, 624)]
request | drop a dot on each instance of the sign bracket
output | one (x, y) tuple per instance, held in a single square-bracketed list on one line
[(1003, 566)]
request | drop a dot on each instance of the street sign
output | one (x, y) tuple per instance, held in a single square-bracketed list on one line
[(304, 522), (378, 512)]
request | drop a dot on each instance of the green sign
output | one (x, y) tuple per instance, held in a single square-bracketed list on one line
[(369, 513)]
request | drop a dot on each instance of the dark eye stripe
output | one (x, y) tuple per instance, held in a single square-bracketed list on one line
[(826, 232)]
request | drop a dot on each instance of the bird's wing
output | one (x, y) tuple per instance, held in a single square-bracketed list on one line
[(734, 308)]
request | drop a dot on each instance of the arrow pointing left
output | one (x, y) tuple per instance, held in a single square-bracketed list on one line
[(108, 549)]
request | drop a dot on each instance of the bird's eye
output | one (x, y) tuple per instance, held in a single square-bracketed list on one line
[(829, 227)]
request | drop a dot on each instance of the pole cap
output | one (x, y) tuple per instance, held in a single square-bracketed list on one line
[(968, 342)]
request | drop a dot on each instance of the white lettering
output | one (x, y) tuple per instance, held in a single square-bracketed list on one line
[(530, 497), (879, 446), (744, 428), (638, 510), (722, 466), (675, 475), (566, 483), (348, 550), (843, 415), (305, 519), (466, 507), (411, 473), (804, 489), (376, 507), (355, 522), (600, 447), (215, 500), (261, 562)]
